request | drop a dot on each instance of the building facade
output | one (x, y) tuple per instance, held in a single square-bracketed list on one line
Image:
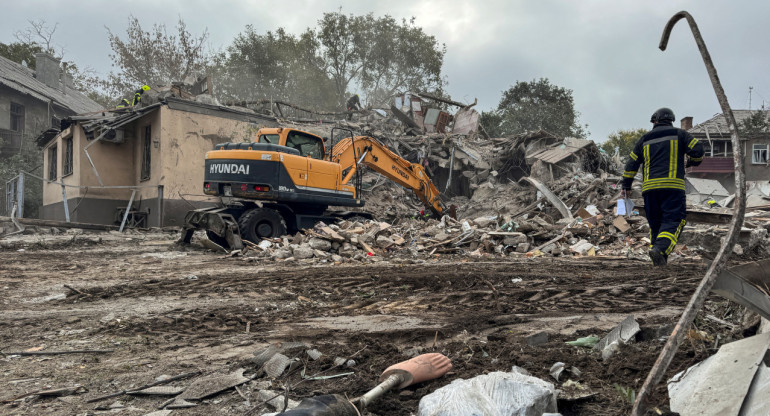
[(152, 156), (34, 101), (718, 162)]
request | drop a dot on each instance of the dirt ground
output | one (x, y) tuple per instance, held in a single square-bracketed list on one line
[(166, 310)]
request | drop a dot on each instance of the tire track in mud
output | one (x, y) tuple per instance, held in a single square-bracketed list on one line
[(457, 295)]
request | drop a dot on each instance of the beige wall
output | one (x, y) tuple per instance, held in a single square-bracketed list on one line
[(180, 141), (186, 137)]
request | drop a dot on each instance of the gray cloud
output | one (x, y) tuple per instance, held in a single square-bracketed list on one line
[(605, 51)]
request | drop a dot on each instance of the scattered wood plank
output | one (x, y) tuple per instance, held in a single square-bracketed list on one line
[(62, 224), (146, 386), (27, 353)]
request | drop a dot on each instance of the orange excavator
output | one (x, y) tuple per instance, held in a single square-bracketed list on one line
[(287, 179)]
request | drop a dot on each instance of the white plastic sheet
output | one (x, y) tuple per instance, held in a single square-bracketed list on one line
[(494, 394)]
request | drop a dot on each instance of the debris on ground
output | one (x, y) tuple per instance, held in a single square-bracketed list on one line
[(535, 264)]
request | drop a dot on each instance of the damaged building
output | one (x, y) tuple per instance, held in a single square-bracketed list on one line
[(151, 155), (718, 164), (33, 101)]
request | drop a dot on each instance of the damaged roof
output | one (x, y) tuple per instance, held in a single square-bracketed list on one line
[(556, 154), (113, 119), (22, 79), (717, 125)]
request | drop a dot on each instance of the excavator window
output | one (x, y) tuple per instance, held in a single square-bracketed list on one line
[(306, 144), (269, 138)]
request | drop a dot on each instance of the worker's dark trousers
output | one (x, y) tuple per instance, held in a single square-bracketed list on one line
[(666, 210)]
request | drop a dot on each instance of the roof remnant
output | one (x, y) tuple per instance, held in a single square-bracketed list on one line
[(717, 125), (21, 79)]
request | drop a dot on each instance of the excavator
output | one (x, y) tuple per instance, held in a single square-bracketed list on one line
[(287, 179)]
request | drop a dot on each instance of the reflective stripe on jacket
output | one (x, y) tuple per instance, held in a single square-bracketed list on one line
[(660, 154)]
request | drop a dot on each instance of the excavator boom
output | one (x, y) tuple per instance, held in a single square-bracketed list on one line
[(353, 151)]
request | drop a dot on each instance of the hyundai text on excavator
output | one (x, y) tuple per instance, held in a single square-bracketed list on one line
[(287, 179)]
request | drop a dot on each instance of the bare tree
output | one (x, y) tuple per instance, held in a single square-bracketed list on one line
[(155, 57), (38, 33)]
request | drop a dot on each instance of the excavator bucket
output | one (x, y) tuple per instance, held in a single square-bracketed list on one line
[(221, 228)]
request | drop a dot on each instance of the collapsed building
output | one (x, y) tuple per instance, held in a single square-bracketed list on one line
[(530, 193)]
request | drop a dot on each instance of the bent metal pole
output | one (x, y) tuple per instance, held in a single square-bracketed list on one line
[(699, 297)]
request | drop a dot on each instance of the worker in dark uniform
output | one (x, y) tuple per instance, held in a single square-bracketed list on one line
[(354, 103), (661, 155)]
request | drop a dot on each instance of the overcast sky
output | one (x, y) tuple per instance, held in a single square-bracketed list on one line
[(606, 52)]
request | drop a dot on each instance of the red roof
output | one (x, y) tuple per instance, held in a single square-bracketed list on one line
[(714, 165)]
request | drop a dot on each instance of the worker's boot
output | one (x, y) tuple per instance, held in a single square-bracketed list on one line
[(658, 258)]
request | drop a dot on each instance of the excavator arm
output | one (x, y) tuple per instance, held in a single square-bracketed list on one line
[(353, 151)]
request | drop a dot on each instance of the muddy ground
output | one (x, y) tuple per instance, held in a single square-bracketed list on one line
[(162, 310)]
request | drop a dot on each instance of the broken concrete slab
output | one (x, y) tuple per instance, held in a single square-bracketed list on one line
[(539, 338), (722, 383), (179, 403), (211, 385), (621, 334), (552, 198), (158, 391), (276, 365), (621, 224), (747, 285)]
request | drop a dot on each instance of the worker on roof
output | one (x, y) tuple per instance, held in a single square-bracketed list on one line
[(137, 97), (661, 154)]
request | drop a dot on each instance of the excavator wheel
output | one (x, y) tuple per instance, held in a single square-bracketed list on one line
[(260, 223)]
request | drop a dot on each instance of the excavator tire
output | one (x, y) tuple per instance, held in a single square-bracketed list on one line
[(259, 223)]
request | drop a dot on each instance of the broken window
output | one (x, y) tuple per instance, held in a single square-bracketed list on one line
[(146, 153), (52, 158), (55, 122), (17, 117), (759, 154), (306, 144), (719, 148), (68, 156)]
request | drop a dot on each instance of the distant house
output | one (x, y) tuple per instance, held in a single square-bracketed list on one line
[(34, 101), (152, 155), (718, 162)]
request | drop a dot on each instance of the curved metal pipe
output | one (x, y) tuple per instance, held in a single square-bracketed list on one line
[(739, 209)]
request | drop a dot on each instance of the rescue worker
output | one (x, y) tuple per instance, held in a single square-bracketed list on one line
[(137, 97), (353, 103), (661, 154), (138, 94)]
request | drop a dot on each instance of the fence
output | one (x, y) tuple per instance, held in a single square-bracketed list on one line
[(14, 195)]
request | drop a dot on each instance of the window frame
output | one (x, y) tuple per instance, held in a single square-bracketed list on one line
[(18, 117), (53, 159), (765, 148), (308, 139), (68, 158), (145, 172)]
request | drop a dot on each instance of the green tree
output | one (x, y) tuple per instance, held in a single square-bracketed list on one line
[(381, 56), (756, 124), (276, 65), (492, 122), (154, 57), (623, 140), (20, 52), (536, 105)]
